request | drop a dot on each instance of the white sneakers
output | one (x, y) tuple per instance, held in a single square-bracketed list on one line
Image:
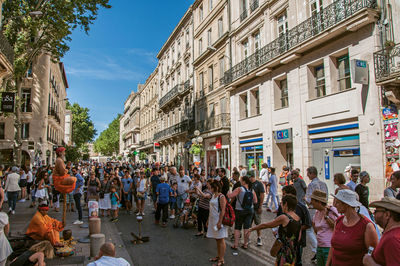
[(22, 200), (172, 217), (13, 212), (77, 222)]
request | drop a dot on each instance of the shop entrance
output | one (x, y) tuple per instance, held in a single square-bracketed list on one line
[(253, 154), (333, 155)]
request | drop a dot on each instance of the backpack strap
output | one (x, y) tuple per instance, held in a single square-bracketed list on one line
[(288, 216)]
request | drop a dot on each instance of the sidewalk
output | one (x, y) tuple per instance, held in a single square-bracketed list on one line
[(23, 214)]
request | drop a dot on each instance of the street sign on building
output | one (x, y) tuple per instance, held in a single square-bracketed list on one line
[(218, 143), (7, 102), (283, 136), (156, 147), (359, 71)]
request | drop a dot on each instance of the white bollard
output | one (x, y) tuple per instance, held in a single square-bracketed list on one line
[(96, 241)]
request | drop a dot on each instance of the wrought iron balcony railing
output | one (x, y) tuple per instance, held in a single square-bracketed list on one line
[(243, 16), (387, 63), (254, 5), (186, 87), (174, 130), (169, 96), (6, 49), (330, 16), (214, 122)]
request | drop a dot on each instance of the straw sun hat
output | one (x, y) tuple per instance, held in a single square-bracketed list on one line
[(319, 196)]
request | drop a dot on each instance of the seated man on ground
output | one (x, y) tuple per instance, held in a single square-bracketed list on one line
[(35, 255), (43, 227), (107, 257)]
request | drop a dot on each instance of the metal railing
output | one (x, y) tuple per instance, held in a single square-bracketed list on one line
[(387, 63), (169, 96), (174, 130), (186, 87), (254, 5), (243, 16), (6, 49), (214, 122), (330, 16)]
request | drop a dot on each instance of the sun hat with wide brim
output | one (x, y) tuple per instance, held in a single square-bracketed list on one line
[(348, 197), (319, 196), (390, 204)]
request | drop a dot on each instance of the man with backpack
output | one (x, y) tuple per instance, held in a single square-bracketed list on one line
[(244, 210), (259, 189)]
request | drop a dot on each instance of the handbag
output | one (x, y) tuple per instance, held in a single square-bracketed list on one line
[(275, 248)]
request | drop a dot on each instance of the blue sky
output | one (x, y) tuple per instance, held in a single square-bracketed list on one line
[(119, 52)]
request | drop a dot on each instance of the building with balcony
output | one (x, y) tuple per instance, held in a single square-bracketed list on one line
[(176, 93), (148, 117), (211, 20), (42, 114), (129, 125), (294, 99)]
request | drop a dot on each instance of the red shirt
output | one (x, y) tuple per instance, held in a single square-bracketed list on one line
[(348, 243), (388, 249)]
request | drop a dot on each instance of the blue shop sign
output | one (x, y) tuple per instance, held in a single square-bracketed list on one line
[(283, 136)]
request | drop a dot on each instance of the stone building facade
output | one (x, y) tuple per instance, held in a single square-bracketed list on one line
[(176, 93), (44, 93)]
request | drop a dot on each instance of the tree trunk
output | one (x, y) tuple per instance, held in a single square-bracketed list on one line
[(17, 124)]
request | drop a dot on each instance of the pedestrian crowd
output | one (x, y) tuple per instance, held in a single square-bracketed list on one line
[(219, 206)]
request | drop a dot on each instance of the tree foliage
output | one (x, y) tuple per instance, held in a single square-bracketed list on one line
[(108, 141), (83, 130), (72, 154), (33, 27)]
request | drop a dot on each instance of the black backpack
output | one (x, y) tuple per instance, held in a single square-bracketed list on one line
[(247, 202)]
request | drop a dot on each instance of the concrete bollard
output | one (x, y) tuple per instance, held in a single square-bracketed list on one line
[(94, 226), (96, 241)]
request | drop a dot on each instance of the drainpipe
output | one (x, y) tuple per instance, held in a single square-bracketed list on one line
[(230, 36)]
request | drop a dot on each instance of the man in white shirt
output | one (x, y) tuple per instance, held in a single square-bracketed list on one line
[(107, 257), (184, 183)]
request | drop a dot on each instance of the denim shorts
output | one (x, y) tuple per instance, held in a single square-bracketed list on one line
[(243, 219), (173, 206), (180, 200)]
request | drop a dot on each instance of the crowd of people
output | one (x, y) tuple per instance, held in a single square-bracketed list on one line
[(346, 232)]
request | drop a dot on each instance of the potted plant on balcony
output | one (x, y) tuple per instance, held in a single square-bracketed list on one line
[(389, 45), (143, 156)]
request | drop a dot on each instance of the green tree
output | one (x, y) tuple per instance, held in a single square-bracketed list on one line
[(43, 26), (108, 141), (83, 130), (72, 154)]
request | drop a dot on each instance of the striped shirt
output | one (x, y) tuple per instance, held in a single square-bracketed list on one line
[(204, 203)]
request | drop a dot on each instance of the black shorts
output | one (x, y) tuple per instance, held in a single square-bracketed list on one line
[(243, 219), (22, 183)]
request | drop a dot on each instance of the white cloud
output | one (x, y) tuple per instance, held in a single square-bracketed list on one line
[(102, 67)]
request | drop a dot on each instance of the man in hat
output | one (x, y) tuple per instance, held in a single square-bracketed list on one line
[(387, 216), (43, 227)]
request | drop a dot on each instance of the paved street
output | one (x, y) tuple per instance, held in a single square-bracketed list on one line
[(170, 246)]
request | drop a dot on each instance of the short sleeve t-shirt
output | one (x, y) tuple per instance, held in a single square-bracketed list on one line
[(183, 184), (387, 250), (258, 188), (324, 231), (155, 180), (126, 183), (163, 190)]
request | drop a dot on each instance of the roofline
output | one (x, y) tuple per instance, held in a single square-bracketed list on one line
[(180, 23), (61, 64), (130, 95)]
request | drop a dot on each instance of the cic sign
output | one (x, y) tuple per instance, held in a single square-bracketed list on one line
[(7, 102), (283, 136)]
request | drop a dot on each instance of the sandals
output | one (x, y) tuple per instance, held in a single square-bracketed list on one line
[(219, 263), (234, 248), (214, 259), (244, 246)]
